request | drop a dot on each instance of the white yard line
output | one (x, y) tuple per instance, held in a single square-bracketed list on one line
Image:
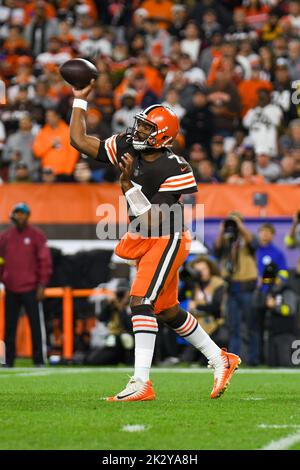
[(278, 426), (31, 371), (284, 443), (253, 398), (134, 427)]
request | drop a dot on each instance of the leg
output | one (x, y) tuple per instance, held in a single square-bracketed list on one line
[(154, 267), (12, 310), (145, 329), (223, 363), (35, 314), (186, 326)]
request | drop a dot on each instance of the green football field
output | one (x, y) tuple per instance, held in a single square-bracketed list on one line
[(61, 408)]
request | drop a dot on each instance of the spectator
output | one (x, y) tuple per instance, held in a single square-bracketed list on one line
[(172, 101), (294, 59), (247, 175), (160, 11), (26, 270), (256, 14), (235, 247), (97, 44), (15, 44), (265, 167), (272, 29), (292, 239), (124, 117), (231, 166), (288, 173), (248, 88), (268, 252), (47, 176), (223, 15), (157, 39), (205, 172), (19, 148), (263, 122), (209, 24), (240, 29), (282, 94), (191, 44), (81, 30), (217, 151), (291, 140), (292, 20), (82, 173), (119, 342), (209, 54), (41, 97), (277, 306), (95, 125), (52, 146), (197, 154), (54, 54), (40, 29), (198, 121), (190, 73), (22, 174), (225, 101), (179, 19)]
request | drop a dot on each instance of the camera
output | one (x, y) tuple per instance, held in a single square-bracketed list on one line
[(231, 230), (298, 217), (269, 274)]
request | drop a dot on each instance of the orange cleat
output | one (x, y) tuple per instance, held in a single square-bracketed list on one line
[(136, 390), (223, 371)]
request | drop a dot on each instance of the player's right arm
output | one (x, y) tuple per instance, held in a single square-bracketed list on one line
[(87, 144)]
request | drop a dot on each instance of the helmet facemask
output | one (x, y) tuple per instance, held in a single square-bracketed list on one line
[(142, 140)]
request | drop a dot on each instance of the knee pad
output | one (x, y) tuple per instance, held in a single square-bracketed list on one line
[(142, 310), (143, 319)]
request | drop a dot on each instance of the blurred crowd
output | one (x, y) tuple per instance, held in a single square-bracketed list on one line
[(229, 69)]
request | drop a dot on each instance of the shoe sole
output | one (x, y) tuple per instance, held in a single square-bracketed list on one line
[(223, 390), (112, 399)]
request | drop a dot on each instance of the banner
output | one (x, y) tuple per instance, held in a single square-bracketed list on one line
[(63, 203)]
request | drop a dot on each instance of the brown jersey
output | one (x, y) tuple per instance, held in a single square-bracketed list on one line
[(162, 181)]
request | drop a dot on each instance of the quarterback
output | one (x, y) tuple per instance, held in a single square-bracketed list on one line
[(152, 179)]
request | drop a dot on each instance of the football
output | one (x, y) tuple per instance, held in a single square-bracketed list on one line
[(78, 72)]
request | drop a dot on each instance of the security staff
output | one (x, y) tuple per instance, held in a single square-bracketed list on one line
[(25, 269)]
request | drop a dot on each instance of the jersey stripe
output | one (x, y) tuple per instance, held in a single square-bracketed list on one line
[(111, 149), (178, 187), (179, 177), (177, 182)]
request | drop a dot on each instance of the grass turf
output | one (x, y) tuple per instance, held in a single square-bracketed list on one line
[(62, 409)]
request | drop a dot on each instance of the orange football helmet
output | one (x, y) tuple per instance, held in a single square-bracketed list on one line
[(165, 127)]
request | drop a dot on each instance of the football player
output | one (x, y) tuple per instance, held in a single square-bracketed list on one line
[(152, 179)]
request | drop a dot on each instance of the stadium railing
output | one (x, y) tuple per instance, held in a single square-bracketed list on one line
[(67, 294)]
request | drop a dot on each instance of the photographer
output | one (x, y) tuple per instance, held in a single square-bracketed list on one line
[(119, 343), (205, 290), (278, 304), (235, 247), (292, 239)]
